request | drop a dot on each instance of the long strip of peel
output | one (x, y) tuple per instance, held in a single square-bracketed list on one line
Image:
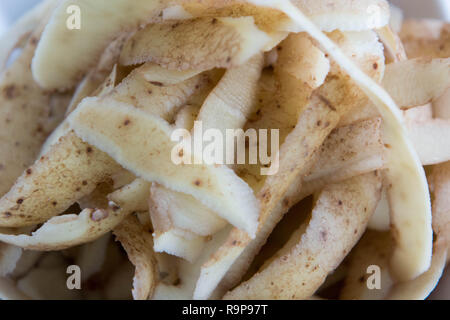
[(58, 65), (339, 218), (28, 114), (409, 194), (202, 43), (70, 230), (420, 287), (121, 130), (138, 244)]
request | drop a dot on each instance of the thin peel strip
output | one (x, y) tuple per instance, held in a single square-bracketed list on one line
[(62, 232), (339, 218), (138, 244)]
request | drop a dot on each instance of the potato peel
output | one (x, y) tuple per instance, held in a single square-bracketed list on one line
[(42, 192), (411, 211), (28, 114), (347, 152), (299, 273), (417, 82), (426, 38), (440, 179), (296, 154), (179, 219), (422, 286), (185, 212), (57, 66), (430, 140), (93, 122), (70, 230), (138, 244), (198, 44), (374, 249), (345, 15)]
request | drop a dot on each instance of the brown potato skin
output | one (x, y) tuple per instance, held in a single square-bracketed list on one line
[(339, 219), (71, 170)]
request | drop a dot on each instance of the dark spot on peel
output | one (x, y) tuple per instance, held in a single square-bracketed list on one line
[(326, 102), (156, 83), (10, 92), (29, 171), (19, 201)]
